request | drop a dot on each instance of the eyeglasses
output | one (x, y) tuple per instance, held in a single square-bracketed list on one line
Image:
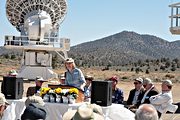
[(136, 83)]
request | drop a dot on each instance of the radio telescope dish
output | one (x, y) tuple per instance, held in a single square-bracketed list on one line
[(19, 10)]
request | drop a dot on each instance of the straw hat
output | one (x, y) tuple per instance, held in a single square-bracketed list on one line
[(85, 112), (34, 99)]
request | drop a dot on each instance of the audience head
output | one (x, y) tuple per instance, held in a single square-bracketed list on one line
[(114, 80), (34, 109), (13, 73), (138, 82), (147, 83), (62, 79), (166, 85), (85, 112), (146, 112), (3, 104), (69, 64), (32, 112), (39, 81), (88, 79), (34, 99)]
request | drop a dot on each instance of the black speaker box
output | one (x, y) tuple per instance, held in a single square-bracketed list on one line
[(12, 87), (101, 93)]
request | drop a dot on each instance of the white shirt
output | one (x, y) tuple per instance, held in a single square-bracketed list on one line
[(163, 102)]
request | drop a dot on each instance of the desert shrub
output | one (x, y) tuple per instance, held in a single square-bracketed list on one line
[(124, 77), (147, 71), (169, 76)]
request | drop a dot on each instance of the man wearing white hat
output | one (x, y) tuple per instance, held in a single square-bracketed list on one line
[(163, 101), (33, 90), (137, 93)]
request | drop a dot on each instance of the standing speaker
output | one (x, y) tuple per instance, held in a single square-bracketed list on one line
[(101, 93), (12, 87)]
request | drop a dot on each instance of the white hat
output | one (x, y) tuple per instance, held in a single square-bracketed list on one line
[(139, 79), (39, 78), (3, 100), (147, 81), (69, 60), (167, 82), (62, 76), (34, 99), (85, 112)]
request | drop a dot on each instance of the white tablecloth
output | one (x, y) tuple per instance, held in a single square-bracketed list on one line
[(55, 111)]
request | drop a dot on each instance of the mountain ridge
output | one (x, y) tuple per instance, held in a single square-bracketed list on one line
[(125, 47)]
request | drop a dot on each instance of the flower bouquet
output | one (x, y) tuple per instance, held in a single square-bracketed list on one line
[(48, 94), (59, 95)]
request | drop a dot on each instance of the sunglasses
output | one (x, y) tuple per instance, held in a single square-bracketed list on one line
[(144, 86), (68, 63), (136, 83)]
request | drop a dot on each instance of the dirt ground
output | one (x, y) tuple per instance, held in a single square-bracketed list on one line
[(127, 86)]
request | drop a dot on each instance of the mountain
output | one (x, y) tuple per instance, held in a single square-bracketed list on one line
[(124, 47), (118, 49)]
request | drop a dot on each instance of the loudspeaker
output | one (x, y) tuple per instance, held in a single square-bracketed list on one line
[(12, 87), (101, 93)]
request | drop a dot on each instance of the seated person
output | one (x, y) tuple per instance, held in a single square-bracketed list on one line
[(136, 94), (150, 90), (87, 88), (163, 101), (74, 76), (117, 93), (62, 79), (35, 89), (34, 109)]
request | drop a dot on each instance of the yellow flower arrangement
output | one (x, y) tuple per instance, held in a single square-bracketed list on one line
[(73, 91), (58, 90), (44, 91)]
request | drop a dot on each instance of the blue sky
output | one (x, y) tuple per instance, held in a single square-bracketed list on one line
[(88, 20)]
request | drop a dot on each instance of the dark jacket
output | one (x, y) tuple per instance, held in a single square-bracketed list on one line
[(132, 94), (152, 92), (33, 113)]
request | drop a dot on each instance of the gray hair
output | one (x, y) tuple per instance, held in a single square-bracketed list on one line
[(146, 112)]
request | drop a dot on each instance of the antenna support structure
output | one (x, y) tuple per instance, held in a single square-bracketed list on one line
[(38, 23)]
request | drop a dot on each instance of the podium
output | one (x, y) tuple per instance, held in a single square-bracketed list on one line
[(80, 97)]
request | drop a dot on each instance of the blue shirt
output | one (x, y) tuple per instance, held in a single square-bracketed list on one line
[(75, 78), (117, 96)]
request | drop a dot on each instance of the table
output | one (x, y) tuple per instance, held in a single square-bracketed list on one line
[(56, 110)]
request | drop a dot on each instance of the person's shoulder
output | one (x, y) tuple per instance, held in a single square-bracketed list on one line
[(119, 90), (77, 69), (32, 88), (133, 90), (155, 90)]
